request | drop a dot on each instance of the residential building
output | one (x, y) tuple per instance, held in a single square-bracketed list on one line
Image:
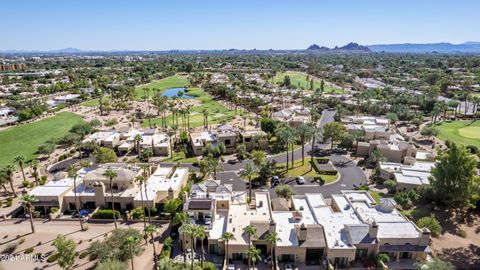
[(394, 150), (228, 135), (124, 139), (94, 190), (407, 176), (295, 115), (348, 228), (374, 127)]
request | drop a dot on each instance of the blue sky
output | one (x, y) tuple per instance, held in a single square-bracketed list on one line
[(246, 24)]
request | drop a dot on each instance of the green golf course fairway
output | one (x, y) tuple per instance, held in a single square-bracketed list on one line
[(169, 82), (25, 139), (462, 132)]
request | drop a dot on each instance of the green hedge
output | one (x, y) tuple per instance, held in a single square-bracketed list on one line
[(105, 214), (316, 166)]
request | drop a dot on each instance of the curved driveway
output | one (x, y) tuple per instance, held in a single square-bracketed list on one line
[(350, 173)]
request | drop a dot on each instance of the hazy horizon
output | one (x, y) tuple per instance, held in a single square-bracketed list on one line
[(218, 25)]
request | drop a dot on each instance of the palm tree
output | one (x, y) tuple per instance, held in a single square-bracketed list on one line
[(130, 241), (140, 180), (250, 231), (227, 237), (3, 180), (170, 135), (9, 170), (27, 201), (191, 230), (34, 164), (72, 173), (214, 165), (183, 219), (20, 160), (202, 233), (247, 173), (150, 230), (137, 139), (304, 132), (317, 134), (273, 238), (357, 135), (146, 172), (205, 114), (285, 137), (253, 255), (111, 175)]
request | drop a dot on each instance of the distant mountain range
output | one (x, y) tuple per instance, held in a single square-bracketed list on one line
[(442, 47), (352, 47)]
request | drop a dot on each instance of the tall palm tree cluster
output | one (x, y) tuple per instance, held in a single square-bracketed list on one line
[(194, 232)]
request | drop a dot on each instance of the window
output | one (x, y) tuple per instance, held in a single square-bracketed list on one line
[(228, 142)]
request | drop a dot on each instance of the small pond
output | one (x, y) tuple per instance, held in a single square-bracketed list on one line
[(173, 92)]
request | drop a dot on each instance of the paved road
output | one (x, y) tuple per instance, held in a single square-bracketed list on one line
[(350, 173)]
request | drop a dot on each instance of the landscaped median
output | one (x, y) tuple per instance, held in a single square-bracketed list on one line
[(318, 172)]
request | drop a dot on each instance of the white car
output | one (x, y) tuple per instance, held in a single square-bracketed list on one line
[(231, 267), (300, 180)]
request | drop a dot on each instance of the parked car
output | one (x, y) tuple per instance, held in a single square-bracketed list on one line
[(255, 184), (232, 161), (339, 151), (231, 267), (275, 180), (300, 180)]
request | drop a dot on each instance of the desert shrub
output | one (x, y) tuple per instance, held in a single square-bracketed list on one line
[(153, 211), (431, 223), (391, 185), (25, 183), (473, 149), (138, 213), (83, 254), (42, 180), (382, 257), (403, 199), (209, 266), (28, 250), (21, 240), (53, 210), (462, 233), (53, 257), (364, 188), (10, 248), (105, 214)]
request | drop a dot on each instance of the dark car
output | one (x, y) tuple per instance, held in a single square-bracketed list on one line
[(255, 184), (232, 161), (275, 180), (339, 151)]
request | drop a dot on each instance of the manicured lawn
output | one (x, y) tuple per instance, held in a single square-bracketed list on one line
[(378, 195), (169, 82), (218, 112), (91, 103), (463, 132), (180, 157), (300, 78), (25, 139), (304, 170)]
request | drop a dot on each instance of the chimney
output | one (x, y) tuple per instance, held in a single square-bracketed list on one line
[(99, 191), (272, 226), (424, 237), (170, 193), (184, 197), (373, 230), (302, 233)]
